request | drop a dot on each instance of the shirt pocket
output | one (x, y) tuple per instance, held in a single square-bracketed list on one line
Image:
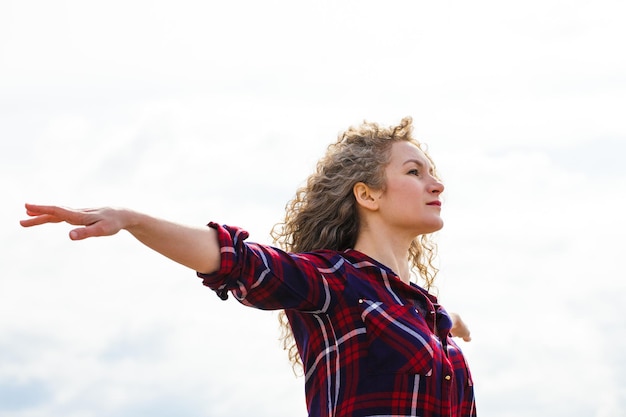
[(398, 339)]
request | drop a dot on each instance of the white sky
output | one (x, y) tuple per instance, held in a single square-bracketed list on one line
[(199, 111)]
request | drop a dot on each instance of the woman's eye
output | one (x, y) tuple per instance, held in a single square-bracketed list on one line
[(414, 172)]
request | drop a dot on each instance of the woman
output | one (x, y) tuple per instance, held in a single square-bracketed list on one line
[(371, 342)]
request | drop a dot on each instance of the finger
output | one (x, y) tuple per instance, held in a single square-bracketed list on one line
[(39, 209), (39, 219), (56, 214), (34, 210)]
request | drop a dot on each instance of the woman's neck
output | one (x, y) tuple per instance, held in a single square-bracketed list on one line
[(391, 252)]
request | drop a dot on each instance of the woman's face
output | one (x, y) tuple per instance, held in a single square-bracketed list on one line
[(410, 201)]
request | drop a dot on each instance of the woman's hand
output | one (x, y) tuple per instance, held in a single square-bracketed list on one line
[(95, 222), (195, 247), (459, 328)]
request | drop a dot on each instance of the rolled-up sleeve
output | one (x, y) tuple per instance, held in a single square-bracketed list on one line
[(268, 278)]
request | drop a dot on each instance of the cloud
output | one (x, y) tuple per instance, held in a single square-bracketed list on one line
[(16, 396), (199, 113)]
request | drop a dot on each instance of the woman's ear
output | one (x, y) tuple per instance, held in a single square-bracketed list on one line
[(365, 196)]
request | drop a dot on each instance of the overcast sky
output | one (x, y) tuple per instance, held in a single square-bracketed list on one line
[(199, 110)]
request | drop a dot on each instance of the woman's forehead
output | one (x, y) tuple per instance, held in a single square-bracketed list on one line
[(408, 152)]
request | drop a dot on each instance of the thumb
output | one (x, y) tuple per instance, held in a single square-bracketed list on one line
[(77, 234), (82, 233)]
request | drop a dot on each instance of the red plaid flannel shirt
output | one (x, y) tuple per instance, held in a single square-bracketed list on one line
[(371, 345)]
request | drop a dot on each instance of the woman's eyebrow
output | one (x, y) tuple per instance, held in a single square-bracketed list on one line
[(415, 161), (419, 164)]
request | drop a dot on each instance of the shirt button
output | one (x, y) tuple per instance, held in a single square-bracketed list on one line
[(447, 377)]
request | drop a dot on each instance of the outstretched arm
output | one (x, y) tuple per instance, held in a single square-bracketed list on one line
[(193, 247), (459, 328)]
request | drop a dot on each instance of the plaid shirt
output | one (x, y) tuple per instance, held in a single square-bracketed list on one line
[(371, 345)]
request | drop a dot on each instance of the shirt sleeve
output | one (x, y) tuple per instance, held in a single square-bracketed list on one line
[(268, 278)]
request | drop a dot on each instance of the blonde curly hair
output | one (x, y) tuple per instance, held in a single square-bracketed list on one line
[(323, 214)]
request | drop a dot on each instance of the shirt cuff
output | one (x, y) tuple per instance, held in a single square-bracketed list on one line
[(230, 242)]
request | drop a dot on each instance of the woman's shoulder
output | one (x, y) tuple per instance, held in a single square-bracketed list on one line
[(327, 260), (321, 257)]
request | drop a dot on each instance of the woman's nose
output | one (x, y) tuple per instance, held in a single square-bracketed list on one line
[(437, 187)]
